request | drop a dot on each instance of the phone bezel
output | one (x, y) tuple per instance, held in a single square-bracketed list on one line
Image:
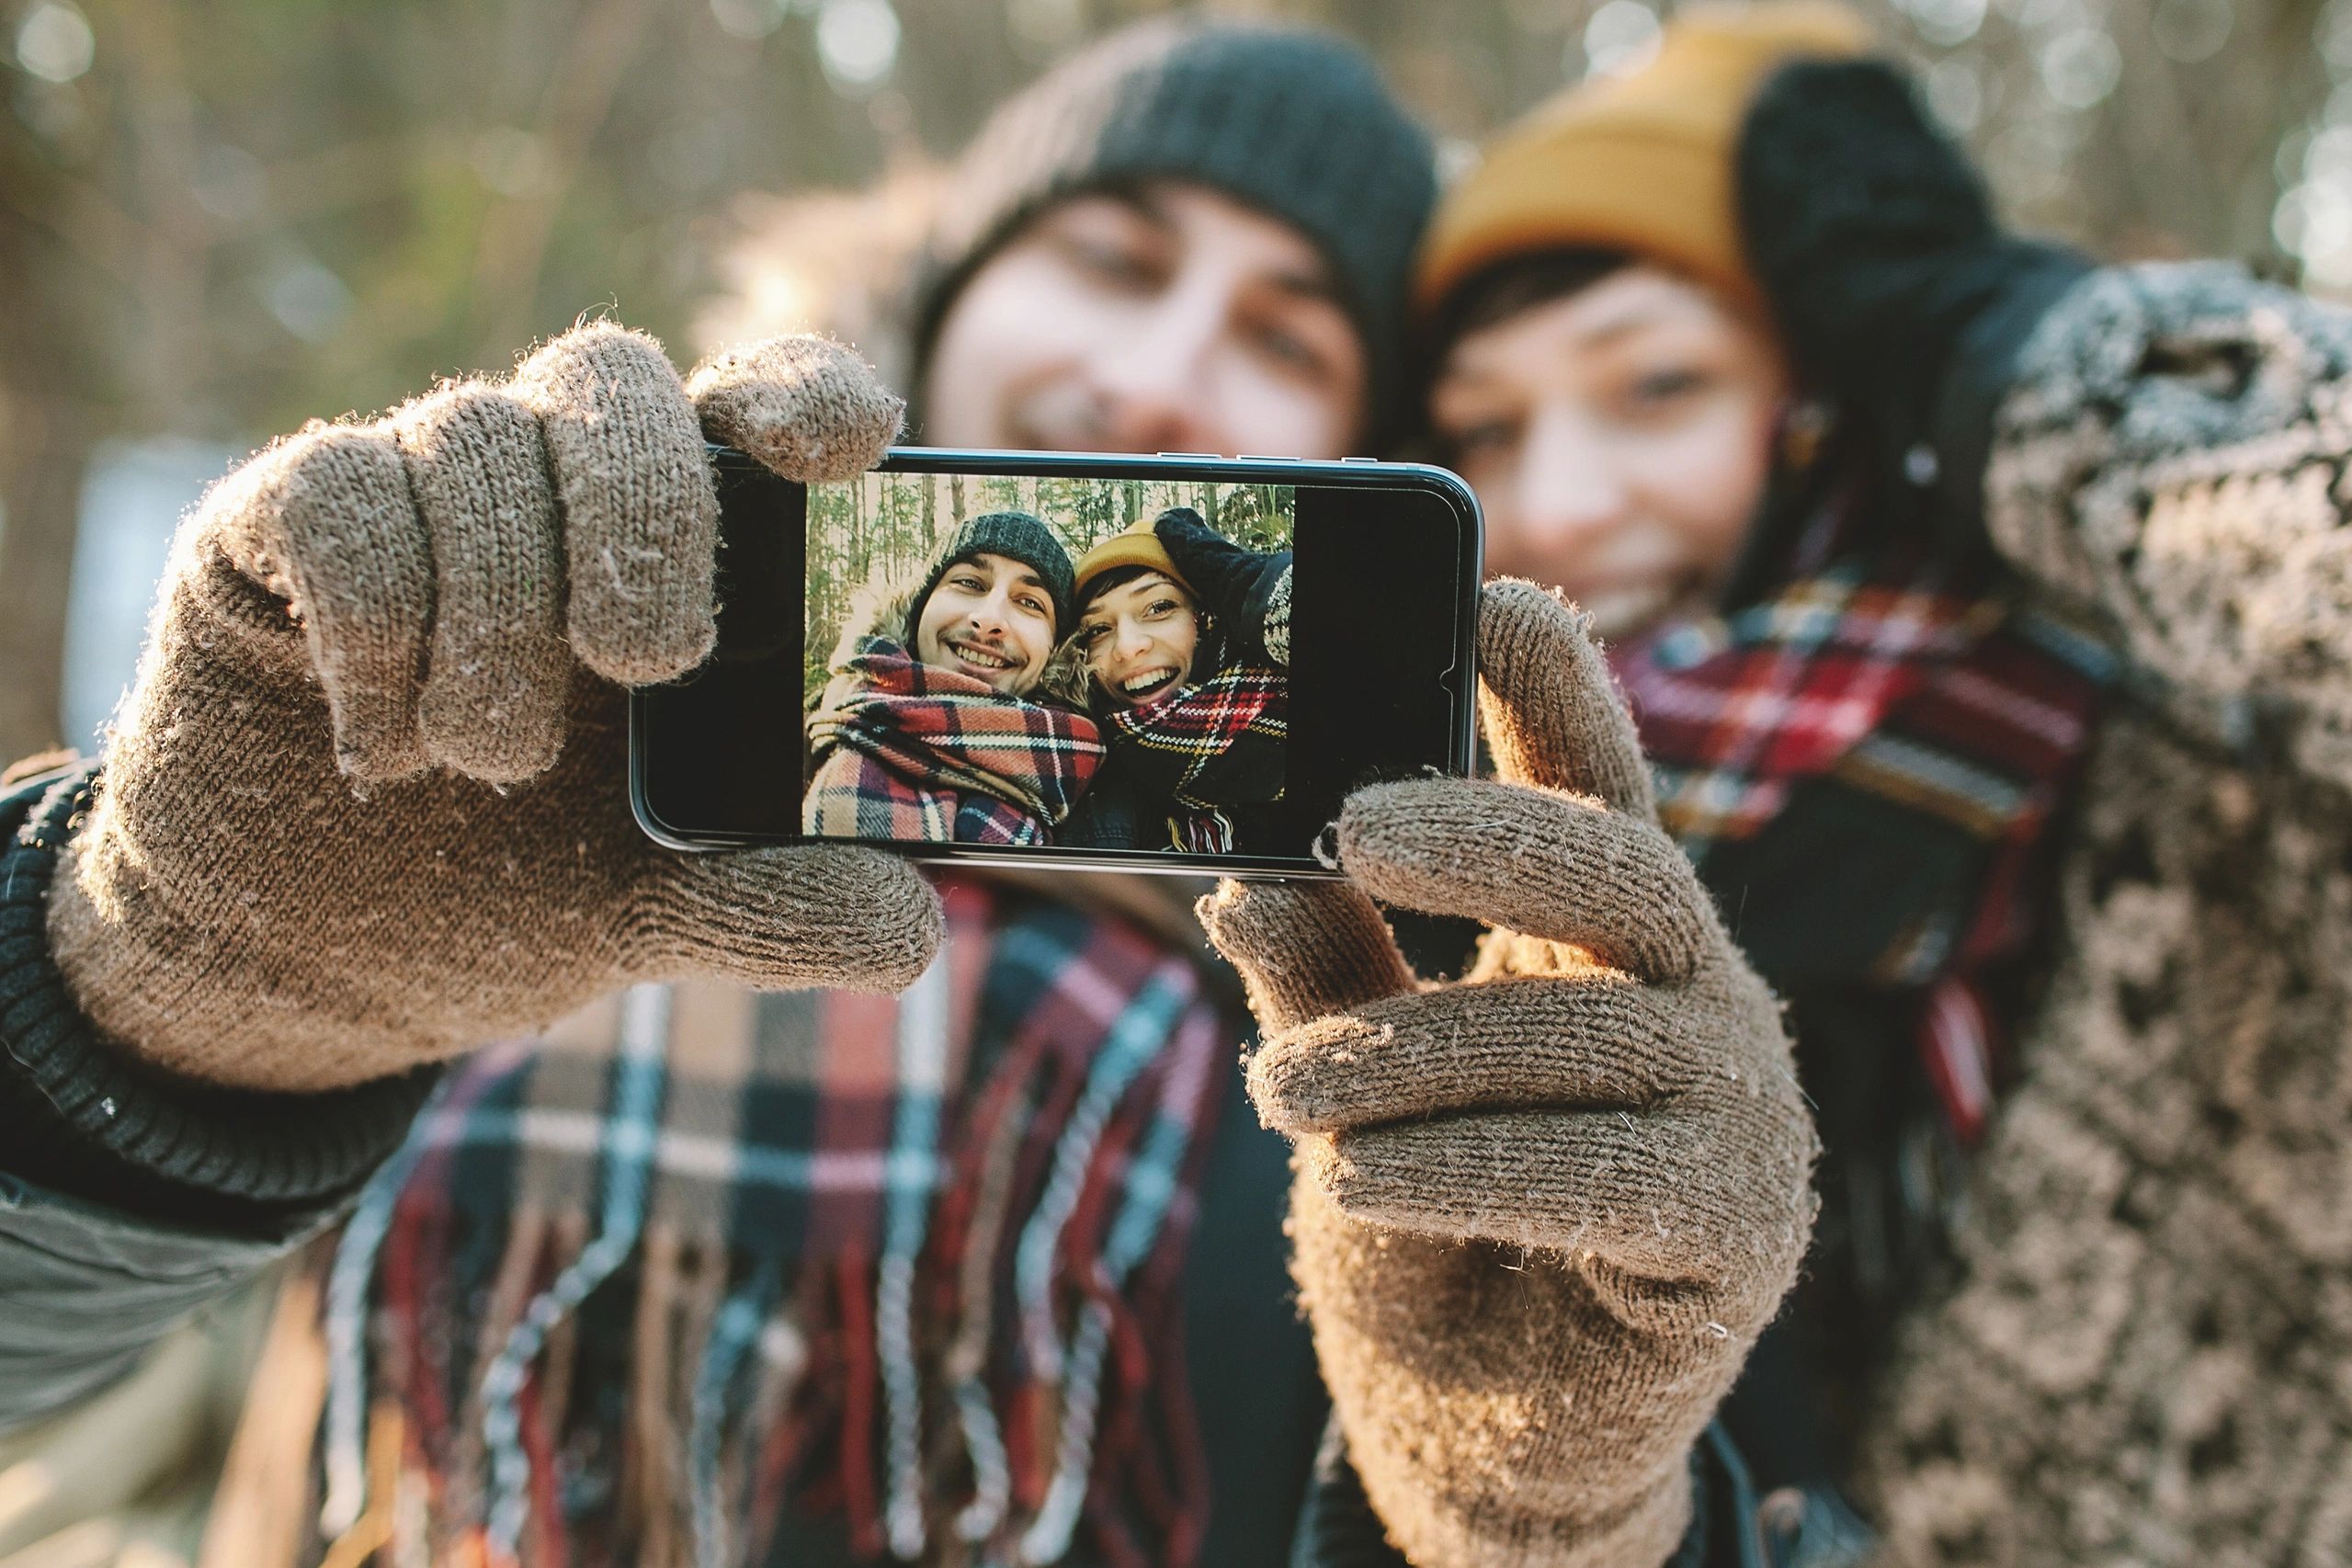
[(1346, 473)]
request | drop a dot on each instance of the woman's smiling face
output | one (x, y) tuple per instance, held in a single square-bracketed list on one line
[(1618, 438), (1139, 636), (990, 618)]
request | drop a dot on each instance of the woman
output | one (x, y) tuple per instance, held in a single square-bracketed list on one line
[(1873, 500), (927, 731), (1190, 689)]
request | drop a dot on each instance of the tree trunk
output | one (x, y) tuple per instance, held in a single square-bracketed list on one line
[(42, 463)]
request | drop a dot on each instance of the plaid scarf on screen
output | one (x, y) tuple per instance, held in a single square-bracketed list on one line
[(1878, 675), (1216, 743), (906, 751), (714, 1278)]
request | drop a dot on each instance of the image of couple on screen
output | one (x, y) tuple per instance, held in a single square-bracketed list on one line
[(1135, 696)]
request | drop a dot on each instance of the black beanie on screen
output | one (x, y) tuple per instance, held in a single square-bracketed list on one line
[(1295, 124), (1017, 536)]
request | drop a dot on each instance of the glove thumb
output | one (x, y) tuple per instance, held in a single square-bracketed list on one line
[(777, 919)]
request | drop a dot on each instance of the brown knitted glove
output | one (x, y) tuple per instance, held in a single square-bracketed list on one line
[(1540, 1215), (367, 805)]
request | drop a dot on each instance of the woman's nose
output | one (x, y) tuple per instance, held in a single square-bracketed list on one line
[(1568, 490)]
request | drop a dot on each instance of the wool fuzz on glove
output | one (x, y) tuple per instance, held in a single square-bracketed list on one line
[(1540, 1215), (368, 803)]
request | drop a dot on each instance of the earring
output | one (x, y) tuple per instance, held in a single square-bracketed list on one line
[(1805, 428)]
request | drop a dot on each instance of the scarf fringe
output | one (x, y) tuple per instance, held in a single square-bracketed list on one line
[(985, 1380)]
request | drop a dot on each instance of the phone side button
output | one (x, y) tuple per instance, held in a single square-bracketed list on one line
[(1359, 460), (1212, 457)]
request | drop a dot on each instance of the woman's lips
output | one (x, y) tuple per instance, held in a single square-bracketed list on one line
[(1146, 684)]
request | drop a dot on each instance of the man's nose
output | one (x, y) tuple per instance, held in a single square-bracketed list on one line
[(1155, 380), (991, 616), (1568, 490)]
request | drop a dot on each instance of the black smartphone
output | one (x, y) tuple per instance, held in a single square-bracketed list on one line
[(1154, 664)]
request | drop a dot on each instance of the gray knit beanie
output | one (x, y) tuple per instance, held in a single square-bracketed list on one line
[(1296, 124), (1017, 536)]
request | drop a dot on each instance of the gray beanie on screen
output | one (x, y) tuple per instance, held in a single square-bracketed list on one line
[(1017, 536), (1296, 124)]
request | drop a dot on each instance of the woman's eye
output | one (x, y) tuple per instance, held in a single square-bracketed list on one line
[(1483, 437), (1160, 609), (1090, 635), (1665, 386), (1288, 349)]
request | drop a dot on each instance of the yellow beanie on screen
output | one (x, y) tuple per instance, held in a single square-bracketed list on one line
[(1139, 546), (1639, 163)]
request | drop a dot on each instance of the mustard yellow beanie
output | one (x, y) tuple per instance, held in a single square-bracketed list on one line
[(1139, 546), (1639, 163)]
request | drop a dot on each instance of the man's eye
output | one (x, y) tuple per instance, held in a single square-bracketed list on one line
[(967, 582), (1121, 267)]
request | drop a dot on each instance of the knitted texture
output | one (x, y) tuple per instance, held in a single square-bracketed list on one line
[(367, 806), (1017, 536), (94, 1124), (1875, 242), (1293, 123), (1540, 1215), (2141, 1355), (1640, 163)]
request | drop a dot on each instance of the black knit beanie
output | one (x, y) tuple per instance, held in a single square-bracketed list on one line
[(1296, 124), (1017, 536)]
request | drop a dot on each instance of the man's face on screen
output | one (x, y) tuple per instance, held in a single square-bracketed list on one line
[(990, 618), (1164, 318), (1138, 638)]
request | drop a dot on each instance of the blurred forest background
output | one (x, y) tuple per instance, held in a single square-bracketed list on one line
[(867, 539), (221, 217)]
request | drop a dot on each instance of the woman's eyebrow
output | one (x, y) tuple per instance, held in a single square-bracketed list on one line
[(1624, 322)]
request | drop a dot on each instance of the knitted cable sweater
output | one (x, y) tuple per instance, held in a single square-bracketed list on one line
[(2144, 1352)]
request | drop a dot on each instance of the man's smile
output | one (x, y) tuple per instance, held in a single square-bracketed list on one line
[(979, 656)]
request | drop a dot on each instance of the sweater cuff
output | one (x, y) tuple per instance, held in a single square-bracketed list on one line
[(92, 1121)]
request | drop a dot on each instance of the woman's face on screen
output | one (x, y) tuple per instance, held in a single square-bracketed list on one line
[(1138, 638)]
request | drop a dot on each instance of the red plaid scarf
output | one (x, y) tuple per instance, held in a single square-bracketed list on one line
[(801, 1276), (1890, 673), (1216, 743), (908, 751)]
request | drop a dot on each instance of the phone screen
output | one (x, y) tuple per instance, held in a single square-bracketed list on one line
[(1154, 664)]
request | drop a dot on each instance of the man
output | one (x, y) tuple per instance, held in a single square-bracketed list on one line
[(996, 1273), (927, 729)]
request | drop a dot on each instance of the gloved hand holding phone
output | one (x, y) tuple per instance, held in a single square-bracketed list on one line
[(367, 805), (1542, 1214)]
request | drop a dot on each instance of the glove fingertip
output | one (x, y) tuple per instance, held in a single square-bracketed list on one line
[(807, 407), (1553, 711), (1304, 948)]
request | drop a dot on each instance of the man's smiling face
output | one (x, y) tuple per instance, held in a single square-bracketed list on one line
[(990, 618)]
